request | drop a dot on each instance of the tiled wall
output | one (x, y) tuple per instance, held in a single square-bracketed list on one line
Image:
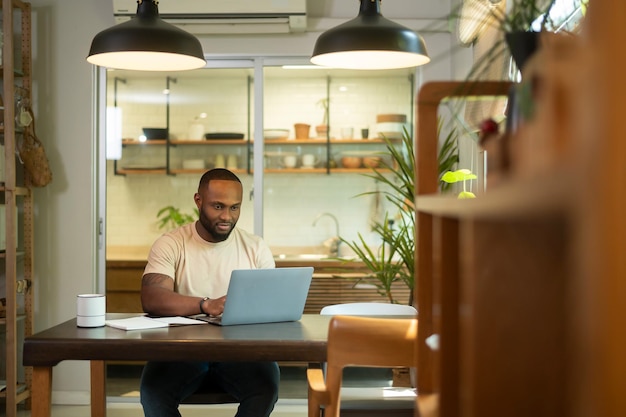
[(291, 202), (225, 99)]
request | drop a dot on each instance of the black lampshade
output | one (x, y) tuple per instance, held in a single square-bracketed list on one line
[(146, 43), (369, 42)]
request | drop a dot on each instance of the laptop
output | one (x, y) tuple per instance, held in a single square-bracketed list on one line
[(264, 296)]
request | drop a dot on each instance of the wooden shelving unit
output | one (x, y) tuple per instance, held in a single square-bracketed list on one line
[(17, 259), (329, 145), (525, 284)]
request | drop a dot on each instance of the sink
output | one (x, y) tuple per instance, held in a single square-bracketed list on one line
[(301, 256)]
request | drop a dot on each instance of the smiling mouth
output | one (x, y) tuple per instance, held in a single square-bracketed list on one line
[(224, 227)]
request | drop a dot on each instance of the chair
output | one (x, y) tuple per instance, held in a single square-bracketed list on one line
[(369, 309), (362, 342)]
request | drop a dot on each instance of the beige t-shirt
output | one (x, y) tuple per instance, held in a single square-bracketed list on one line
[(201, 268)]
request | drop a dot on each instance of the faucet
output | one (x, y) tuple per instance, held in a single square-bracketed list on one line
[(333, 242)]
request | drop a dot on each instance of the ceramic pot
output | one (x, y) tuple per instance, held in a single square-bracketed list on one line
[(522, 46), (302, 130)]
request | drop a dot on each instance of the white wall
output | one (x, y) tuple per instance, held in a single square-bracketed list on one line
[(65, 228)]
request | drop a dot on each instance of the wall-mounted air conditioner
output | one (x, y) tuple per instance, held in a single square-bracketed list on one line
[(225, 16)]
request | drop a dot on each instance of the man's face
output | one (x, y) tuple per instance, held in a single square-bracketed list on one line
[(219, 205)]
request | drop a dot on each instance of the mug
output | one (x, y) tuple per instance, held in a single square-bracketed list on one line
[(290, 161), (220, 162), (231, 162), (347, 132), (90, 310), (309, 160), (196, 131)]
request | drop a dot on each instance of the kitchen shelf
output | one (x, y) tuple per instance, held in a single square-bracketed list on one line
[(152, 142), (341, 144), (18, 317), (17, 73), (17, 254), (202, 171), (124, 171), (237, 116), (17, 265), (22, 392), (212, 142), (19, 191)]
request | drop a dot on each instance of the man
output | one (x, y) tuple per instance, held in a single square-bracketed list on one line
[(187, 273)]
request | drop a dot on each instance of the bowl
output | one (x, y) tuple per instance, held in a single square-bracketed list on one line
[(390, 130), (152, 133), (193, 164), (372, 161), (276, 134), (351, 161)]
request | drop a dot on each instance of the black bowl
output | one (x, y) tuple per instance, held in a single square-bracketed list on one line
[(152, 133)]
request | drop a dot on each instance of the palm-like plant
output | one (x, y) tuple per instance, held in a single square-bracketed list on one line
[(394, 260)]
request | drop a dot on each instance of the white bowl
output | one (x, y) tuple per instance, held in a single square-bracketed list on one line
[(193, 164), (276, 133)]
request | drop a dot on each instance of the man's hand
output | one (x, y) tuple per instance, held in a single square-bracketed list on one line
[(214, 306)]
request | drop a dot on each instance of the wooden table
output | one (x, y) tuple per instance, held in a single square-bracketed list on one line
[(301, 341)]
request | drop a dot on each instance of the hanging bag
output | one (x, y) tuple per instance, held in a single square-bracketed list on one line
[(32, 153)]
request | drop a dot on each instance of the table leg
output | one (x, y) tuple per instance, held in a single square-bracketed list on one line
[(41, 391), (98, 389)]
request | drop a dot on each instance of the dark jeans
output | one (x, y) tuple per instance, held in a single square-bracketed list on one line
[(165, 384)]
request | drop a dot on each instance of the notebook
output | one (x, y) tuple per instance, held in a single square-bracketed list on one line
[(264, 296)]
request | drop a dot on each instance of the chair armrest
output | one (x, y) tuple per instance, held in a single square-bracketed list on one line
[(317, 392), (317, 386), (428, 405)]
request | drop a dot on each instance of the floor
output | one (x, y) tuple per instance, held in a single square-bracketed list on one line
[(134, 410), (123, 394)]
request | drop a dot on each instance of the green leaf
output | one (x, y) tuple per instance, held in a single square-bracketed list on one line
[(458, 175), (466, 194)]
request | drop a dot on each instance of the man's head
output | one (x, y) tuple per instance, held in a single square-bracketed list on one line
[(218, 200)]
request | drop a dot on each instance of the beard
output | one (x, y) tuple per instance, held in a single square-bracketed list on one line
[(216, 234)]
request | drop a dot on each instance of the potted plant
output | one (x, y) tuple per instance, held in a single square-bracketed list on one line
[(394, 260), (322, 129), (522, 41), (460, 175), (520, 21), (170, 217)]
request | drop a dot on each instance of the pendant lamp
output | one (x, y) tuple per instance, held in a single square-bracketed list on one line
[(146, 43), (370, 42)]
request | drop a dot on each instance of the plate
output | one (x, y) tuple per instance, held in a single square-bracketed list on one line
[(226, 135)]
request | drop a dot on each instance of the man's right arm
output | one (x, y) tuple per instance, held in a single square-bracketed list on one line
[(159, 298)]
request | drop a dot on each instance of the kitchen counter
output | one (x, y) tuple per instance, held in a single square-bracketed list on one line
[(127, 253), (334, 281)]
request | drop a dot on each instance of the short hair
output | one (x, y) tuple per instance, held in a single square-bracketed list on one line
[(217, 174)]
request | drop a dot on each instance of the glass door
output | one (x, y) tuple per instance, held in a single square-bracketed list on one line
[(325, 130), (173, 127)]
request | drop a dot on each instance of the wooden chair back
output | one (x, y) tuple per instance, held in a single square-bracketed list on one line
[(359, 341)]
